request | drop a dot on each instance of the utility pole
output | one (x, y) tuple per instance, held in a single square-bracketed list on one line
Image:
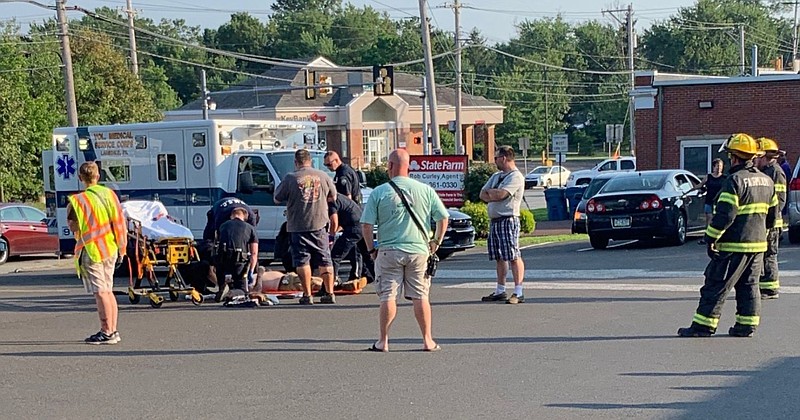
[(631, 50), (425, 149), (66, 59), (132, 38), (742, 65), (431, 82), (458, 140), (795, 58), (204, 88)]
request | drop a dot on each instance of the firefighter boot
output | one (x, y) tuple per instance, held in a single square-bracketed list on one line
[(696, 330), (739, 330)]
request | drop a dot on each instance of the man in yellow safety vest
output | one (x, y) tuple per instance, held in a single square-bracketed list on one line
[(96, 219)]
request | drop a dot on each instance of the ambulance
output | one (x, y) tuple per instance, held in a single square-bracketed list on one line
[(186, 165)]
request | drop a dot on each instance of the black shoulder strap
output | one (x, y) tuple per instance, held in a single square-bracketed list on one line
[(425, 232)]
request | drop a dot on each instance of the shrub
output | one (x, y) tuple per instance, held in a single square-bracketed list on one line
[(377, 175), (480, 217), (526, 221), (479, 173)]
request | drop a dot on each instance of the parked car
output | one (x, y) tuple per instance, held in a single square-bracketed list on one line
[(594, 187), (792, 217), (583, 177), (546, 176), (646, 204), (24, 231)]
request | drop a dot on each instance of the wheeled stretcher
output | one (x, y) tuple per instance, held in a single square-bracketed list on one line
[(156, 240)]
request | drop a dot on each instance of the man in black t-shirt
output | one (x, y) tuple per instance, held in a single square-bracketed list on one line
[(345, 179), (237, 253)]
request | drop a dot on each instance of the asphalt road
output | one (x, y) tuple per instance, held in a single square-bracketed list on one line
[(595, 338)]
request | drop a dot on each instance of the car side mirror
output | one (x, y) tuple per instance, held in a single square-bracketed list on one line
[(246, 184)]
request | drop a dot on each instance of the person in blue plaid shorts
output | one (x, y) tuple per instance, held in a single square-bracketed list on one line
[(503, 192)]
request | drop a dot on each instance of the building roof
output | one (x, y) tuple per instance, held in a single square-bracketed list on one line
[(671, 79), (269, 90)]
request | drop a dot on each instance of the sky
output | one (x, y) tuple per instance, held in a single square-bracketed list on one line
[(495, 19)]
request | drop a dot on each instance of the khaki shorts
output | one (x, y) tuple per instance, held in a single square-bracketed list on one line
[(394, 268), (97, 277)]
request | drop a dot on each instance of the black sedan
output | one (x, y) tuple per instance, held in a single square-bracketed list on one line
[(594, 187), (646, 204), (460, 234)]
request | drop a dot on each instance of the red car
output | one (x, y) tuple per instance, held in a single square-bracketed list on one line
[(24, 231)]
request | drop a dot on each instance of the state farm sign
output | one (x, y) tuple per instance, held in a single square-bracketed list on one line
[(444, 173)]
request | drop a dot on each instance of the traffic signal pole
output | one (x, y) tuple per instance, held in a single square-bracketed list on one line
[(431, 82)]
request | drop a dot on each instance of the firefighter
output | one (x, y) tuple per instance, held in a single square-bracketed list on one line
[(736, 240), (768, 164)]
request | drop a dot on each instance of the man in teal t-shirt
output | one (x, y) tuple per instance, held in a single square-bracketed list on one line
[(403, 249)]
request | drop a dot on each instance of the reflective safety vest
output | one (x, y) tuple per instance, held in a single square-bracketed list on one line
[(101, 224), (746, 208)]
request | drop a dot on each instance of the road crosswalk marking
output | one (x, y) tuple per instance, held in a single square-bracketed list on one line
[(605, 274), (627, 287)]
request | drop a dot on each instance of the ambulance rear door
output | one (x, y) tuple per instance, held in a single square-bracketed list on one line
[(197, 167)]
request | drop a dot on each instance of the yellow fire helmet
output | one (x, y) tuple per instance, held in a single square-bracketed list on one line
[(767, 146), (740, 144)]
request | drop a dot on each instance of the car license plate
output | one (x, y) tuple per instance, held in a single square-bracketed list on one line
[(621, 222)]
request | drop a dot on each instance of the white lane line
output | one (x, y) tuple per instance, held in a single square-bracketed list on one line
[(626, 287), (48, 291), (535, 245), (575, 274), (610, 246)]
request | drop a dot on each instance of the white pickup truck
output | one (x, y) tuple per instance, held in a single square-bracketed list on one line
[(584, 177)]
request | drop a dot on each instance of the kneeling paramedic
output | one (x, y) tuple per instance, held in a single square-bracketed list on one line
[(736, 240), (237, 253)]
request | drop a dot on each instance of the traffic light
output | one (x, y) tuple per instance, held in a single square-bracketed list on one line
[(311, 77), (383, 80), (325, 80)]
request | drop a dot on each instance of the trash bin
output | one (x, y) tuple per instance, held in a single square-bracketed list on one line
[(574, 196), (556, 204)]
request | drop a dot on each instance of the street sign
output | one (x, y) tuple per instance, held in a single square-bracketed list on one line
[(560, 157), (524, 144), (614, 133), (560, 143)]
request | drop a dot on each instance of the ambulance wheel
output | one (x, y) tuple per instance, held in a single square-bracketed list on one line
[(133, 297), (173, 296), (197, 301)]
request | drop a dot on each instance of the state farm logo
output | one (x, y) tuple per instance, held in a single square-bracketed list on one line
[(414, 165), (317, 118)]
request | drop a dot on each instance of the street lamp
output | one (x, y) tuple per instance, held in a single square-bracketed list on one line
[(66, 56)]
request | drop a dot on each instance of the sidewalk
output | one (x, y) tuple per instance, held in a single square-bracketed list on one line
[(555, 227)]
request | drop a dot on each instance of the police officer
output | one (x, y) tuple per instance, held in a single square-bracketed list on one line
[(345, 214), (736, 240), (345, 178), (237, 253), (219, 213), (768, 164)]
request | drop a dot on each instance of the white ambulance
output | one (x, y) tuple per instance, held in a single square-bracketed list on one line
[(186, 165)]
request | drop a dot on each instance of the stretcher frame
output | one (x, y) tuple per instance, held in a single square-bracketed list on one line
[(149, 254)]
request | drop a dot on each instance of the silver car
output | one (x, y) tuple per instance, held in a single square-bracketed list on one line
[(792, 216)]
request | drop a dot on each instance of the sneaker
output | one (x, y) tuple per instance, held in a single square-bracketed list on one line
[(222, 293), (768, 295), (305, 300), (739, 330), (328, 299), (101, 338), (495, 297), (115, 335), (514, 299), (694, 332)]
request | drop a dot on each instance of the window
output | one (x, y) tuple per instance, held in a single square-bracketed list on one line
[(115, 171), (11, 214), (696, 155), (167, 167), (32, 215), (609, 166), (322, 138), (627, 164), (198, 139), (141, 142), (682, 184)]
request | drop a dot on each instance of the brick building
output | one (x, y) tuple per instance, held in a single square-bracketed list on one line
[(681, 120), (361, 127)]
